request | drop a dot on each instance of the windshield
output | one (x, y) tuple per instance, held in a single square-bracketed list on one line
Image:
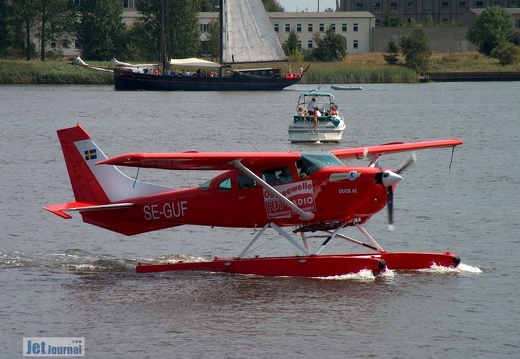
[(311, 162)]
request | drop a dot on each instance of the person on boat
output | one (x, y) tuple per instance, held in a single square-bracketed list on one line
[(316, 114), (334, 110), (310, 106), (301, 112)]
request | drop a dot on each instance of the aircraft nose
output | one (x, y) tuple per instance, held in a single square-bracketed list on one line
[(390, 178)]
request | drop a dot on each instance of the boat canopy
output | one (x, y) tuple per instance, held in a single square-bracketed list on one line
[(194, 62), (319, 96)]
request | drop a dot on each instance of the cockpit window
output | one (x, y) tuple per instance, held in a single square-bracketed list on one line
[(311, 162), (205, 185), (225, 185), (245, 182)]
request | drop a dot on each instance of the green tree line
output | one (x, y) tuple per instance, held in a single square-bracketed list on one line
[(31, 28)]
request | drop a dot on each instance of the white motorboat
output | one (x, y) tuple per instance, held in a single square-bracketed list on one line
[(316, 119)]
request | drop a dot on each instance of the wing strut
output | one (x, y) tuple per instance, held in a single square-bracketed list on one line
[(304, 216)]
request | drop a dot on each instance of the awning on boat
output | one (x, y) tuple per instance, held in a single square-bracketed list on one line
[(194, 62)]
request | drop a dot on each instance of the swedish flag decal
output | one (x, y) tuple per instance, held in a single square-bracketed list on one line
[(90, 154)]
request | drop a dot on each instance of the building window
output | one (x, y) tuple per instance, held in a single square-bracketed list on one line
[(479, 4), (309, 28), (410, 4), (309, 44), (53, 44), (276, 27), (393, 6), (514, 3), (355, 28), (355, 44), (445, 4), (322, 28), (344, 27), (360, 6), (497, 3), (427, 5), (298, 27), (128, 4), (376, 6), (462, 4), (287, 27), (378, 22), (300, 44), (204, 28), (333, 27)]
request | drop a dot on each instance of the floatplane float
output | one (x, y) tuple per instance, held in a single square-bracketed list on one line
[(310, 192)]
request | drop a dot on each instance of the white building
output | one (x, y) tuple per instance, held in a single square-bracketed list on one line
[(355, 26)]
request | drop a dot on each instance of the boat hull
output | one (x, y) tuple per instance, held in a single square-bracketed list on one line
[(346, 88), (308, 132), (313, 265), (132, 81)]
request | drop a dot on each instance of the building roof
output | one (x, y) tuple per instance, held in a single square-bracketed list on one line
[(320, 15)]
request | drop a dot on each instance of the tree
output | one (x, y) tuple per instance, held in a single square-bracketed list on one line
[(291, 45), (26, 10), (416, 50), (99, 29), (393, 51), (182, 26), (507, 54), (332, 47), (6, 38), (272, 6), (137, 46), (493, 27), (212, 45), (53, 21)]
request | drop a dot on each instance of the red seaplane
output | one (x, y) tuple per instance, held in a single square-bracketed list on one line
[(311, 192)]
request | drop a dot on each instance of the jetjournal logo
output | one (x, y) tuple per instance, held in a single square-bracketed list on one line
[(53, 346)]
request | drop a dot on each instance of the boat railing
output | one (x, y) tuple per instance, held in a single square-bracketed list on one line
[(334, 119)]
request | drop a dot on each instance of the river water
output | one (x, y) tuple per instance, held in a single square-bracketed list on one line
[(64, 278)]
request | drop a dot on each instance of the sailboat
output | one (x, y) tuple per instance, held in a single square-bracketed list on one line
[(247, 36)]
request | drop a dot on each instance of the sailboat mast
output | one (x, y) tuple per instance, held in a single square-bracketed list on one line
[(164, 58), (221, 44)]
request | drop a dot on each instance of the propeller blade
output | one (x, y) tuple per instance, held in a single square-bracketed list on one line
[(390, 206), (407, 162)]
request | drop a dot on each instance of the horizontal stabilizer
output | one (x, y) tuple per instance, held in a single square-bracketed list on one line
[(59, 209)]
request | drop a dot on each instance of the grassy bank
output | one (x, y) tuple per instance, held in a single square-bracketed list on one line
[(363, 68), (49, 72)]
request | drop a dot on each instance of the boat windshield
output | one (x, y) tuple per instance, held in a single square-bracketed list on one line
[(311, 162)]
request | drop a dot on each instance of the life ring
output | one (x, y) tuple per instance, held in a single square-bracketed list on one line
[(289, 76)]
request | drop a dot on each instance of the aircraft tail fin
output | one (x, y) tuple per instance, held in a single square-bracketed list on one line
[(95, 187)]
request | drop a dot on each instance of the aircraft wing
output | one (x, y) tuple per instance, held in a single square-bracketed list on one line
[(202, 160), (375, 151)]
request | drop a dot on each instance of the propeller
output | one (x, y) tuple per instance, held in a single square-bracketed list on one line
[(389, 180), (410, 160)]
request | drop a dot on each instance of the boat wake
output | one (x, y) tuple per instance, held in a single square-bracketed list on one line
[(461, 268)]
